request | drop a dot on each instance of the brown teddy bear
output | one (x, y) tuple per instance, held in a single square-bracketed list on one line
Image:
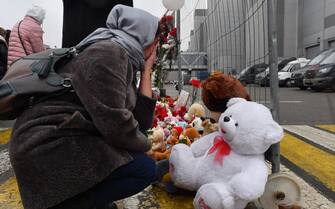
[(191, 133), (218, 89), (209, 125)]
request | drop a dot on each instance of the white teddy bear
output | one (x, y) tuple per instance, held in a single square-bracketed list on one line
[(227, 167)]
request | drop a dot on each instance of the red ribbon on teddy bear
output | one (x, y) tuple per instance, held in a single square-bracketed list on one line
[(221, 147)]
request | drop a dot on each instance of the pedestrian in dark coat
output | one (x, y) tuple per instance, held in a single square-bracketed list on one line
[(3, 53), (82, 17), (86, 149)]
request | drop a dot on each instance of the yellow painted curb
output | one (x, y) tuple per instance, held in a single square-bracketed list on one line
[(9, 195), (314, 161), (172, 201), (330, 127), (5, 136)]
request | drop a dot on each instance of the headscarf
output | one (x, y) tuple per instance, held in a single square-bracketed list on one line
[(134, 29), (36, 12)]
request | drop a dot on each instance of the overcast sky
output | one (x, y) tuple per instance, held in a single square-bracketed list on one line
[(11, 11)]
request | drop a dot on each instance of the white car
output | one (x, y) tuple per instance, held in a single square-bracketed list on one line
[(284, 75)]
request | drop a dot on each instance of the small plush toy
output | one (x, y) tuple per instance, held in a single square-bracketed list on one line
[(174, 136), (195, 110), (160, 150), (158, 145), (191, 133), (227, 167), (157, 139), (209, 125), (166, 132), (185, 140), (158, 156), (197, 124)]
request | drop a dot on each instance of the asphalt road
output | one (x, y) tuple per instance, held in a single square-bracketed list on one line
[(298, 107)]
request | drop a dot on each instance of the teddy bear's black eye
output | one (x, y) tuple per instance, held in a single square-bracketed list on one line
[(230, 116), (236, 124)]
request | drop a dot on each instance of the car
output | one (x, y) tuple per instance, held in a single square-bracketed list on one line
[(248, 75), (263, 78), (298, 75), (284, 75), (241, 73), (282, 62), (324, 77)]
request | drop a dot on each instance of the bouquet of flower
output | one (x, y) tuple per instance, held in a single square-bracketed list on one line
[(167, 49)]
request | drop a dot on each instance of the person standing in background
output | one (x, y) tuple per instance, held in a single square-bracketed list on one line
[(27, 35), (82, 17), (3, 52), (7, 36)]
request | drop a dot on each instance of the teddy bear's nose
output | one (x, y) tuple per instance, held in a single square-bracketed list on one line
[(226, 119)]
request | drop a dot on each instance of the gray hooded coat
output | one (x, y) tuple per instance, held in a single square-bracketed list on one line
[(65, 145)]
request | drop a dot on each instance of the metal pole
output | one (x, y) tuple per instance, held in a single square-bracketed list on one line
[(180, 80), (273, 62)]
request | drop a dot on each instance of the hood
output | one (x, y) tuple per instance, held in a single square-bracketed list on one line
[(36, 12), (137, 23), (132, 28)]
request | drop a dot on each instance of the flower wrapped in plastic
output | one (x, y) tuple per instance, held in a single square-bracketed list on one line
[(166, 50)]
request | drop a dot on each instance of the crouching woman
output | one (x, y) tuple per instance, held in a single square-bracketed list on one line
[(84, 149)]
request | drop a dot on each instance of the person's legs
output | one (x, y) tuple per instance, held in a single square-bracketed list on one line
[(82, 201), (126, 180), (121, 183)]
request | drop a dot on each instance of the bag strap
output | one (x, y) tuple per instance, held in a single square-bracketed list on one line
[(45, 68), (18, 31)]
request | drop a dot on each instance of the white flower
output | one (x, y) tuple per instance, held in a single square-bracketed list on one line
[(165, 46)]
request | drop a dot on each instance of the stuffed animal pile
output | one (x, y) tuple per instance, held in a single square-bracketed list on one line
[(227, 167), (171, 128), (186, 126)]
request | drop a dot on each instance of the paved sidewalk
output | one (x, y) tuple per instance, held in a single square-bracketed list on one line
[(308, 151)]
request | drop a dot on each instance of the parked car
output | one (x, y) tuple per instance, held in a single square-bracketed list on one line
[(241, 73), (324, 77), (263, 78), (284, 61), (247, 76), (298, 75), (284, 75)]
